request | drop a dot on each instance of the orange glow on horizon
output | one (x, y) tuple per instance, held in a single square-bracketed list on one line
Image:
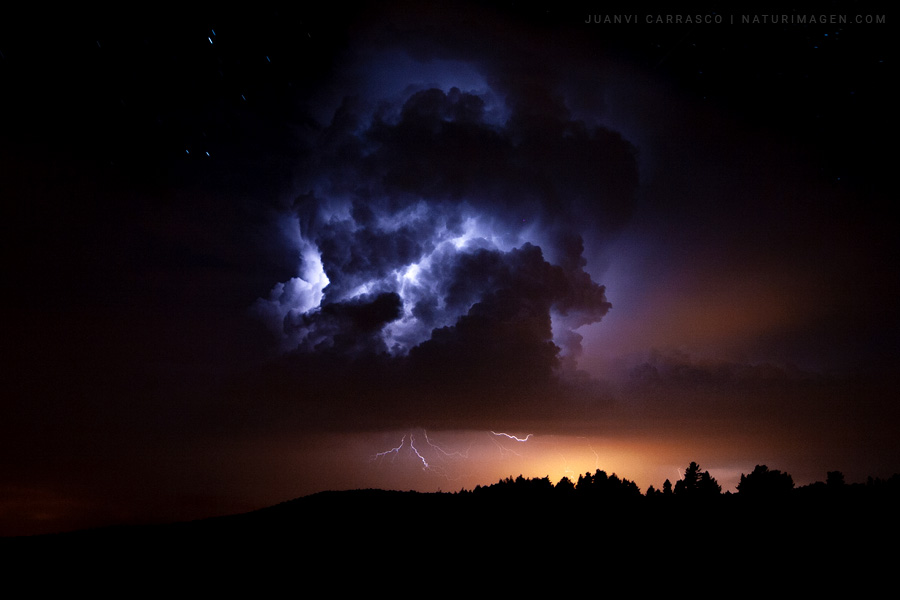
[(451, 461)]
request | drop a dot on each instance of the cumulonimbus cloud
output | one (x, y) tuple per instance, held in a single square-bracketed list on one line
[(435, 223)]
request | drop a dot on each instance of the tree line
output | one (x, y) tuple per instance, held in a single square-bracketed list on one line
[(762, 483)]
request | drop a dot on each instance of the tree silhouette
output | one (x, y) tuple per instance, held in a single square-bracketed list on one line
[(606, 487), (697, 484), (835, 479), (763, 482), (565, 486)]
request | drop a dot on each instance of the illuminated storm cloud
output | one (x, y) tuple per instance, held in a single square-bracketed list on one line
[(425, 222)]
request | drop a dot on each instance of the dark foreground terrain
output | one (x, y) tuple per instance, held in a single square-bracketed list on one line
[(362, 538)]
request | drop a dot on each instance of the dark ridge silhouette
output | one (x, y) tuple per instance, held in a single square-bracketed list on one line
[(601, 519)]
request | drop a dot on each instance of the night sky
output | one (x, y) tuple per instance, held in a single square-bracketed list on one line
[(254, 255)]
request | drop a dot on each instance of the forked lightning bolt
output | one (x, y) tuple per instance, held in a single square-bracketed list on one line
[(437, 454), (426, 466), (412, 444)]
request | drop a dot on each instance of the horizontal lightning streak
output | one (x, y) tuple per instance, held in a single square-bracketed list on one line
[(442, 451), (512, 437), (391, 451)]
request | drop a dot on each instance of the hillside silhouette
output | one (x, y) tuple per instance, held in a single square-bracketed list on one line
[(530, 505), (831, 534)]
